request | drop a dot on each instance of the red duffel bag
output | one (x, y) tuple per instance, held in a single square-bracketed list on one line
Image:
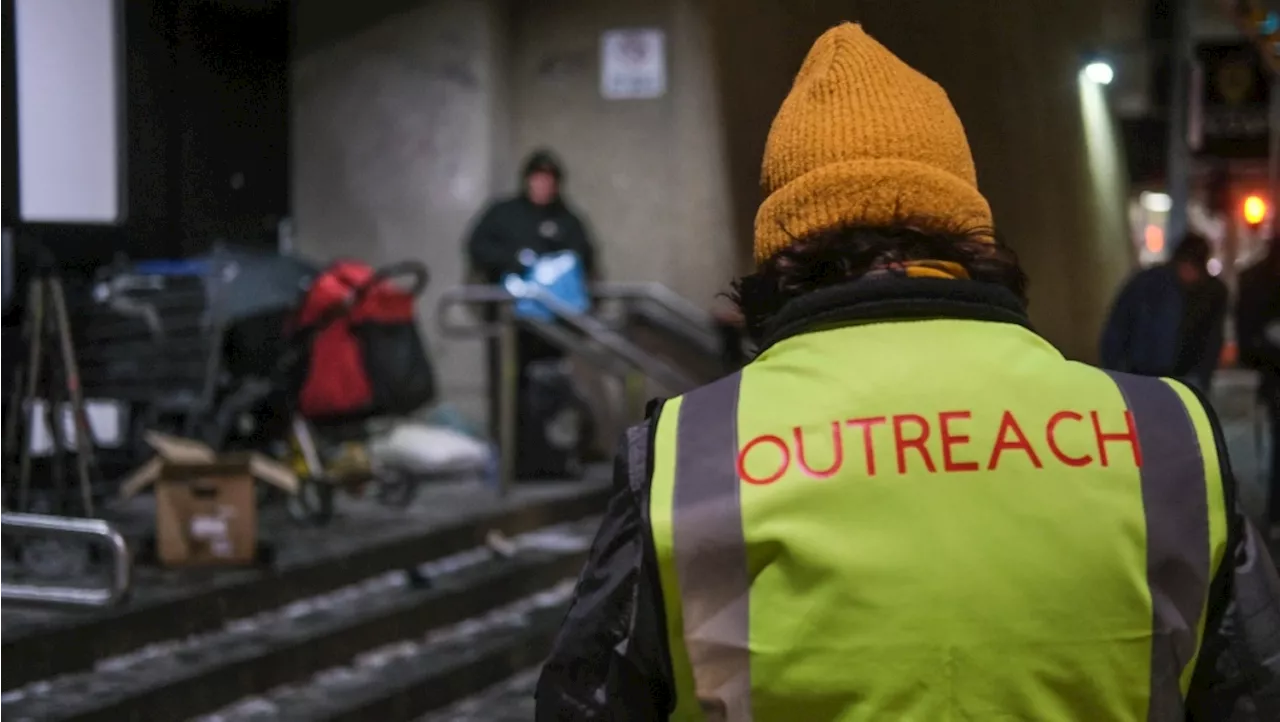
[(366, 355)]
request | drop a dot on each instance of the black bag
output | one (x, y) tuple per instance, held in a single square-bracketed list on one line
[(552, 426), (399, 370)]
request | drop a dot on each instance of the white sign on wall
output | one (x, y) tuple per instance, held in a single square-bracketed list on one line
[(69, 110), (633, 64)]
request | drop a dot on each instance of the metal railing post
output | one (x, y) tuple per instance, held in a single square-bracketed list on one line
[(635, 388), (508, 391), (1178, 151)]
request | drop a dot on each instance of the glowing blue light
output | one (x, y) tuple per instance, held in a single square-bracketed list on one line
[(1270, 24)]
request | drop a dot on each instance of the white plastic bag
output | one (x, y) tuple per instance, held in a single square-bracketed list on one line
[(417, 448)]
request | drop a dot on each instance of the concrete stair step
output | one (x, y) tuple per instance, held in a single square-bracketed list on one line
[(169, 606), (296, 644), (402, 682), (510, 700)]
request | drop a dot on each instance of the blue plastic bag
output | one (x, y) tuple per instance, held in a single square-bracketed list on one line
[(559, 274), (163, 267)]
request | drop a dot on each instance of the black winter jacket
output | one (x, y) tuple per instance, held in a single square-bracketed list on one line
[(611, 660), (1259, 306), (510, 226)]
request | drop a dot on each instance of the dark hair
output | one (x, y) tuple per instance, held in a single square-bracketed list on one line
[(844, 255), (1194, 248)]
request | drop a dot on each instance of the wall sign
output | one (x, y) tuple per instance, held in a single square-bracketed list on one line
[(633, 64), (1235, 99)]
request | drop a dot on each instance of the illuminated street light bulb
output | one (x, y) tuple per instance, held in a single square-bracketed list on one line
[(1255, 210), (1099, 72)]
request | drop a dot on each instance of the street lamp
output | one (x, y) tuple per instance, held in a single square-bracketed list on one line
[(1254, 210), (1099, 72)]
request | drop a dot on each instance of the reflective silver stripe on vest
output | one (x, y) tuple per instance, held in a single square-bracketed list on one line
[(710, 550), (1176, 505)]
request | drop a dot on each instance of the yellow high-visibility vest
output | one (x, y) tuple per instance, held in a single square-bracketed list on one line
[(934, 520)]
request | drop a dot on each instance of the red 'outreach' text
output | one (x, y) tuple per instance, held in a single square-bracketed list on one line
[(939, 442)]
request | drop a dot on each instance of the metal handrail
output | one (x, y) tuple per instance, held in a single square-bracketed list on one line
[(672, 303), (114, 294), (655, 316), (95, 530), (550, 332), (655, 368), (676, 306), (572, 331), (470, 295), (575, 344), (590, 327)]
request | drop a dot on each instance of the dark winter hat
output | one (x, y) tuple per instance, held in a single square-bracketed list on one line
[(543, 161)]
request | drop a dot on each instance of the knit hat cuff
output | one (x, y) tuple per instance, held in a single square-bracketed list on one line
[(880, 192)]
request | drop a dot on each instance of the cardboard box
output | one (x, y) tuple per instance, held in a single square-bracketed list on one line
[(206, 506)]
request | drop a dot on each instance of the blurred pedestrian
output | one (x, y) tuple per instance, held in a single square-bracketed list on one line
[(1168, 319), (508, 238), (1258, 331), (909, 505), (537, 221)]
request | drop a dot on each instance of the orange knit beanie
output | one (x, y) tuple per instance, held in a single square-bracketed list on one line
[(863, 139)]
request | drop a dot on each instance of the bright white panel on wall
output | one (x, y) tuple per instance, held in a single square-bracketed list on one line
[(70, 155)]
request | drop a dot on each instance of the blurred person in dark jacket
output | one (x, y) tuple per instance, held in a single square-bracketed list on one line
[(1258, 331), (1167, 320), (510, 235)]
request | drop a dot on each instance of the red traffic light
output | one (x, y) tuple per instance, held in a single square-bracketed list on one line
[(1255, 209)]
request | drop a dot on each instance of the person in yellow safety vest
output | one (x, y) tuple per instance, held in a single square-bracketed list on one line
[(910, 506)]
